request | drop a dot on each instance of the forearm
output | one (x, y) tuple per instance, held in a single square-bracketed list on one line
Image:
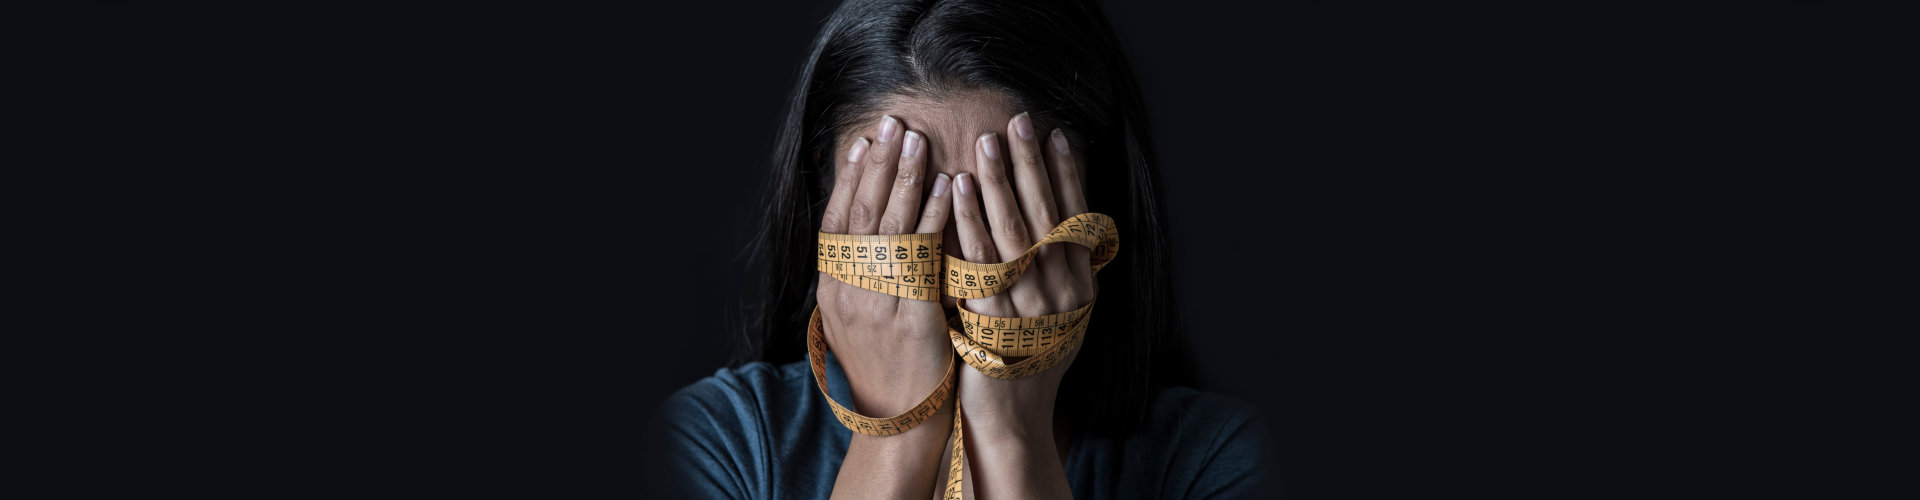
[(1015, 463), (897, 466)]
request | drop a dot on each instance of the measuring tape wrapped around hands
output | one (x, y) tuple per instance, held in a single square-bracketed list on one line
[(911, 266)]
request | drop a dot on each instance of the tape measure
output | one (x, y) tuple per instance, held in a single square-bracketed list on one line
[(912, 266), (901, 265)]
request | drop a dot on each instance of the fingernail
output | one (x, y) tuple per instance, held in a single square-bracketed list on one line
[(1023, 125), (990, 145), (887, 126), (912, 145), (1059, 141), (858, 151), (940, 186), (964, 184)]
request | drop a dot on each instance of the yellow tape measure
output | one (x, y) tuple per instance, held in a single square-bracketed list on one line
[(901, 265), (912, 266), (863, 424)]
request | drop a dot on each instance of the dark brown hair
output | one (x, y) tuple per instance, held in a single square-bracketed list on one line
[(1058, 60)]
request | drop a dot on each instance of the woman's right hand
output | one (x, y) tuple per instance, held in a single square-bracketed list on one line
[(893, 350)]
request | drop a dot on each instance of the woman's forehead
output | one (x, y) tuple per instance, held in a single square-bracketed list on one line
[(951, 123), (955, 119)]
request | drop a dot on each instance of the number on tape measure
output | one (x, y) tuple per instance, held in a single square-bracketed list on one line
[(910, 265)]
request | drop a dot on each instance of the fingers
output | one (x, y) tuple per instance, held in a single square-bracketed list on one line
[(1030, 177), (877, 177), (971, 224), (1065, 168), (903, 207), (845, 180), (1072, 196), (1007, 227), (933, 219), (976, 244), (1037, 205)]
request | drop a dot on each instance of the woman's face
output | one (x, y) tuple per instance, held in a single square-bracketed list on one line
[(952, 126)]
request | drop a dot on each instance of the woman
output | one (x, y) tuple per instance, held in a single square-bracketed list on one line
[(989, 122)]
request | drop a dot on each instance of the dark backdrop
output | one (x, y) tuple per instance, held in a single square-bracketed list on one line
[(473, 246)]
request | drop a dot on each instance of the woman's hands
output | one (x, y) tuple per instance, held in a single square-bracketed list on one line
[(894, 351), (1011, 443)]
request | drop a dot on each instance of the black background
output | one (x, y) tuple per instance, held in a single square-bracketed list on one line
[(471, 247)]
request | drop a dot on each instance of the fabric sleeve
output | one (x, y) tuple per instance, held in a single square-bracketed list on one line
[(1235, 463), (710, 444)]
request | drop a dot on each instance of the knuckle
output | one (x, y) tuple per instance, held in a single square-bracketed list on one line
[(993, 177), (1012, 232), (862, 213), (1042, 213), (1032, 159), (889, 224), (974, 248), (1027, 297), (967, 212), (831, 216), (904, 191), (1068, 174)]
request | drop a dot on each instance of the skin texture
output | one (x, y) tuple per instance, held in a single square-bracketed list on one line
[(966, 164)]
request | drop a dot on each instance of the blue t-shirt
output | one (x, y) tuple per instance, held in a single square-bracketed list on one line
[(764, 431)]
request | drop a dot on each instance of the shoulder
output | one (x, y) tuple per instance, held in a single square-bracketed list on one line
[(719, 411), (755, 400), (1205, 426), (756, 431), (1220, 441), (725, 432), (732, 390)]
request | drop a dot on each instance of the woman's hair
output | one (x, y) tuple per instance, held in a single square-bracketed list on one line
[(1058, 60)]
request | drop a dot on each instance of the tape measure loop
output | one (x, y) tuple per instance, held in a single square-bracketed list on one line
[(913, 266), (816, 358)]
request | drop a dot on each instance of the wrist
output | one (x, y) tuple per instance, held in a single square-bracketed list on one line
[(932, 432), (897, 466), (1011, 430), (1014, 458), (1007, 410), (884, 394), (1012, 439)]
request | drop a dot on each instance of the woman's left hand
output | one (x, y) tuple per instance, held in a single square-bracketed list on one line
[(1011, 442)]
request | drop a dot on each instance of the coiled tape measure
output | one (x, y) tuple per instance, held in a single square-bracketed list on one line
[(911, 266)]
